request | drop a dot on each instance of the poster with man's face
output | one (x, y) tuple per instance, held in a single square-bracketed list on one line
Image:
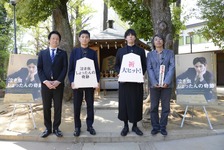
[(22, 83), (196, 78)]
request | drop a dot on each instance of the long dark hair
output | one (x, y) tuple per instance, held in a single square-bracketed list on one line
[(161, 37)]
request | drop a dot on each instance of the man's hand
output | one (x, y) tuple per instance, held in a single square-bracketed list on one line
[(98, 86), (31, 76), (55, 83), (200, 77), (49, 84), (157, 86), (165, 85), (73, 85)]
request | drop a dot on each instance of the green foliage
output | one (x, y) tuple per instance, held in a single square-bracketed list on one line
[(178, 25), (136, 14), (213, 12), (139, 17), (80, 13), (5, 38), (30, 12), (2, 84)]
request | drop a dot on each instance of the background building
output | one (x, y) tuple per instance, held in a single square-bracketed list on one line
[(191, 42)]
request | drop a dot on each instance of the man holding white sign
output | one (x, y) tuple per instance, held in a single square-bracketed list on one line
[(84, 76), (131, 66), (160, 68)]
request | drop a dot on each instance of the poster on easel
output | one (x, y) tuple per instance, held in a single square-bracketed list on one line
[(22, 83), (196, 78)]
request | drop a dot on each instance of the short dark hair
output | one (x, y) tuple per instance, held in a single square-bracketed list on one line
[(84, 32), (161, 37), (54, 32), (202, 60), (130, 31), (31, 61)]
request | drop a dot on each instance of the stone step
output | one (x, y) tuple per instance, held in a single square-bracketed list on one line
[(107, 137)]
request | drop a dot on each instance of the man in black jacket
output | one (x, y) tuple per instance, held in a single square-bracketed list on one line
[(52, 68)]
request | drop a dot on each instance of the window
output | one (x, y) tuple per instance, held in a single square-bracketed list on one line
[(188, 40), (199, 39), (196, 39), (181, 41)]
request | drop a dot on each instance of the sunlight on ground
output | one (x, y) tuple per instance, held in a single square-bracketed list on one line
[(12, 145), (112, 103), (102, 120)]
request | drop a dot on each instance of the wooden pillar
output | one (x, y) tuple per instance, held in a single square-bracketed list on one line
[(97, 49)]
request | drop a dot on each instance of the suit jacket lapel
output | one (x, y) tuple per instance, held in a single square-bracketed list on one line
[(48, 55), (57, 54), (155, 56), (164, 56)]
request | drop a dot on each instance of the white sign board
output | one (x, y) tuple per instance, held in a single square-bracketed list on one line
[(85, 74), (161, 75), (131, 69)]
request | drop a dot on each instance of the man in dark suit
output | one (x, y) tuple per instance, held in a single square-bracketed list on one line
[(78, 53), (52, 68)]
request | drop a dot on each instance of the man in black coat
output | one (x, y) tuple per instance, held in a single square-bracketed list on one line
[(52, 68), (130, 93), (79, 53)]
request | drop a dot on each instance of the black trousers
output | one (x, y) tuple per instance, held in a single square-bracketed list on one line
[(157, 94), (77, 102), (55, 95)]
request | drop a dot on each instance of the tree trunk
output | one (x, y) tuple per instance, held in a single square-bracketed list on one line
[(61, 24), (105, 16), (77, 27), (161, 19), (162, 24), (175, 48), (176, 42)]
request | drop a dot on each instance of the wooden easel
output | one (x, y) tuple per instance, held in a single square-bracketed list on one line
[(30, 110), (209, 122), (20, 99)]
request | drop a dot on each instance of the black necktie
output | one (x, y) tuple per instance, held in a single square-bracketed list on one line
[(52, 55)]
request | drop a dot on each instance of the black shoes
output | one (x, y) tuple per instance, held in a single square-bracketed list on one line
[(154, 131), (77, 132), (163, 132), (58, 133), (91, 130), (124, 131), (137, 131), (46, 133)]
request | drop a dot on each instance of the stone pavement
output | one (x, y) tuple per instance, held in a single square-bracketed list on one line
[(107, 126), (202, 143)]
